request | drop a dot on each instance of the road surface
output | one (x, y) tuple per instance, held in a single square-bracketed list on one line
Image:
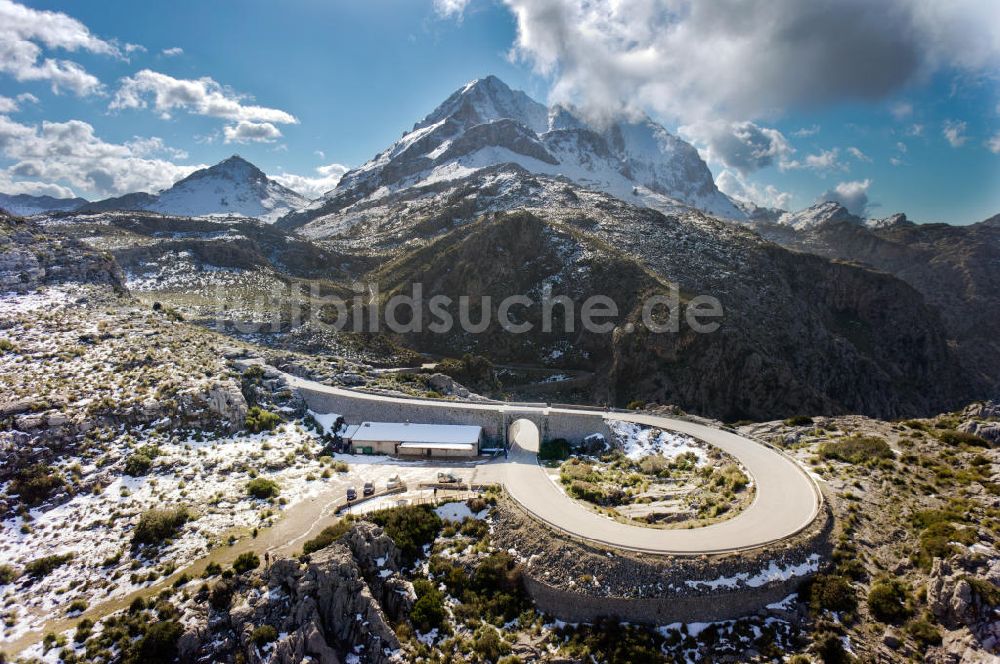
[(786, 501)]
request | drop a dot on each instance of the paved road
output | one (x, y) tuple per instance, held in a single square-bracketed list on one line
[(787, 499)]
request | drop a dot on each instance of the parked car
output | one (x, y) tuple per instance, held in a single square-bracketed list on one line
[(393, 483), (352, 494), (368, 489), (447, 478)]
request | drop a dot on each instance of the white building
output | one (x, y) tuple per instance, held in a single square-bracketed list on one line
[(415, 440)]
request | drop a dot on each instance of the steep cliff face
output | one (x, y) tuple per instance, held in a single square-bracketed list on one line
[(953, 267)]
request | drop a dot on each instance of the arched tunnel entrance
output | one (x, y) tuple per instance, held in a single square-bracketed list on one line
[(524, 434)]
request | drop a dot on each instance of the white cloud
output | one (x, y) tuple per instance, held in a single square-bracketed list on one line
[(202, 96), (994, 143), (901, 110), (853, 195), (313, 187), (896, 161), (954, 133), (742, 146), (915, 129), (8, 105), (173, 51), (806, 132), (71, 155), (738, 186), (450, 8), (251, 132), (858, 154), (25, 31), (747, 59), (902, 147)]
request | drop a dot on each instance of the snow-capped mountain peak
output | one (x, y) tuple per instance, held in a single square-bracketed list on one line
[(816, 215), (485, 124), (232, 187)]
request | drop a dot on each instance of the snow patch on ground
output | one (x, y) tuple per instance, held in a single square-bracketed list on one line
[(458, 512), (773, 572), (640, 441)]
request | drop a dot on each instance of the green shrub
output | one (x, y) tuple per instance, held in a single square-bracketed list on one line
[(798, 421), (924, 632), (34, 484), (156, 526), (635, 404), (212, 569), (7, 574), (137, 464), (556, 449), (262, 488), (327, 536), (956, 438), (221, 595), (486, 643), (936, 541), (263, 635), (159, 644), (42, 567), (856, 449), (889, 601), (411, 527), (259, 419), (245, 562), (831, 592), (428, 611), (830, 648)]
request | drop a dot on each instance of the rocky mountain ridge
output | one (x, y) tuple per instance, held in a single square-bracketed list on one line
[(234, 186), (486, 124)]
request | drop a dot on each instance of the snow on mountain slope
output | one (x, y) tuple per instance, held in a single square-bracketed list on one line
[(25, 205), (232, 187), (485, 123), (817, 215)]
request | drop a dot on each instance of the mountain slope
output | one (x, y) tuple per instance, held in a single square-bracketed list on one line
[(25, 205), (231, 187), (486, 124), (955, 268)]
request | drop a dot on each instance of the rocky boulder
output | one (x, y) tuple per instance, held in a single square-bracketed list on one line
[(955, 600)]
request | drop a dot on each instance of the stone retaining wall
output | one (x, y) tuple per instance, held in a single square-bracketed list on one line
[(577, 607), (560, 573)]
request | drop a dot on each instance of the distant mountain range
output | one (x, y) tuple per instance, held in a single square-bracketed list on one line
[(25, 205)]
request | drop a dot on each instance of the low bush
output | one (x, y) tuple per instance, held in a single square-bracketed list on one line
[(7, 574), (856, 449), (259, 420), (263, 635), (889, 601), (137, 464), (830, 592), (956, 438), (798, 421), (245, 562), (263, 488), (924, 632), (42, 567), (157, 526), (34, 484), (159, 644), (428, 611), (411, 527), (327, 536)]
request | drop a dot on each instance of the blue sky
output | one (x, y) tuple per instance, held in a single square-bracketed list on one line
[(301, 85)]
